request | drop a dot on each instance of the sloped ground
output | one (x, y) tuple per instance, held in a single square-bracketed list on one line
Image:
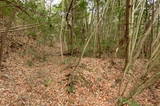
[(40, 79)]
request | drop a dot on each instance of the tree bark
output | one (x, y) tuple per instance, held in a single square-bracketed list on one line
[(126, 35)]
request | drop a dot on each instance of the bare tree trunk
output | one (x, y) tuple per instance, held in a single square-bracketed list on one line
[(126, 35), (98, 32), (61, 32), (152, 31), (69, 19)]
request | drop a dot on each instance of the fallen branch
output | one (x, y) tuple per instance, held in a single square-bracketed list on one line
[(18, 28)]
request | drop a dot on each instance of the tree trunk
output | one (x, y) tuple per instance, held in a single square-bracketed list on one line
[(127, 30)]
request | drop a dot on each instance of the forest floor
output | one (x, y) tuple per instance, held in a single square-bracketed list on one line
[(34, 76)]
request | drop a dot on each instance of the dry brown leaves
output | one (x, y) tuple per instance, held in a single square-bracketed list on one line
[(44, 83)]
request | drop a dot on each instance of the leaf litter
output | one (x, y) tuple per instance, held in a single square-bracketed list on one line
[(44, 83)]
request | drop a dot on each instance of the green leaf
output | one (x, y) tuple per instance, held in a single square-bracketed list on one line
[(83, 4), (133, 103), (71, 88), (129, 102), (6, 9), (47, 82)]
